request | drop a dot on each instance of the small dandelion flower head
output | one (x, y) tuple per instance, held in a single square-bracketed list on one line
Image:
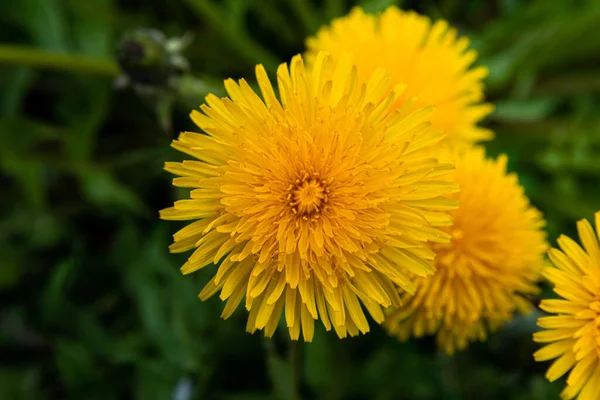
[(314, 204), (429, 58), (572, 333), (493, 259)]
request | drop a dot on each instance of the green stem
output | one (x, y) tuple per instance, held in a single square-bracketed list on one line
[(276, 21), (33, 57), (237, 39), (285, 372), (296, 363), (450, 376), (306, 14)]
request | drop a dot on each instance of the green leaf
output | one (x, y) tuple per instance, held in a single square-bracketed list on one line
[(237, 10), (20, 383), (154, 381), (14, 84), (44, 20), (92, 28), (54, 300), (47, 230), (104, 191), (85, 110), (74, 362), (153, 283), (526, 110)]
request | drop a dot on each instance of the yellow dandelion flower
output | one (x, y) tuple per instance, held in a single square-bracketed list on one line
[(429, 58), (312, 204), (574, 332), (494, 258)]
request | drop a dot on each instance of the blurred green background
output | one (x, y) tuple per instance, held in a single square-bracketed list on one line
[(92, 306)]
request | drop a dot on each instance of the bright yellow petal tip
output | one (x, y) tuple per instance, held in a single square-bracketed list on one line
[(572, 332), (493, 259), (314, 204), (428, 57)]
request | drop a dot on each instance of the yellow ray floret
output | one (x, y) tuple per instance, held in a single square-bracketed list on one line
[(314, 204), (494, 258), (429, 58), (573, 331)]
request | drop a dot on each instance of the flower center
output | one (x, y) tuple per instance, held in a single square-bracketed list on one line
[(308, 195)]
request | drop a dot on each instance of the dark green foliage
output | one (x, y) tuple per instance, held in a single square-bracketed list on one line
[(92, 304)]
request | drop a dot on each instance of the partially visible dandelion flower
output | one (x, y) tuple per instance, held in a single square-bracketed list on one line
[(312, 204), (429, 58), (573, 333), (492, 261)]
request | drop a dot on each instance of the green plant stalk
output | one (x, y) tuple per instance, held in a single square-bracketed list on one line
[(236, 38), (285, 373), (306, 14), (27, 56), (296, 363), (276, 21)]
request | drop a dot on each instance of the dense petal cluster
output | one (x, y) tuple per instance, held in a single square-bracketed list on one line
[(429, 58), (494, 258), (573, 333), (313, 203)]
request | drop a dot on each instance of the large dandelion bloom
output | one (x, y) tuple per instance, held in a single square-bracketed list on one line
[(574, 332), (493, 259), (312, 204), (430, 59)]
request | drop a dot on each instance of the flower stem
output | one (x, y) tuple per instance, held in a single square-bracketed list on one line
[(285, 370), (28, 56), (296, 364), (306, 14), (450, 376)]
